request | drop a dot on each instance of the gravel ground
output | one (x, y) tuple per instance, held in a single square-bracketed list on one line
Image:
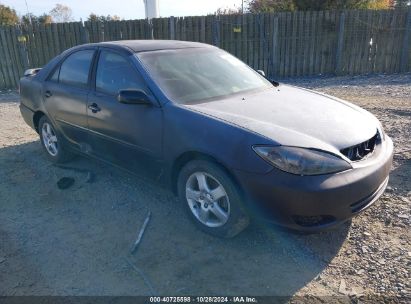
[(77, 241)]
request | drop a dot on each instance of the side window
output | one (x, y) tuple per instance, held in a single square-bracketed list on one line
[(75, 69), (115, 73)]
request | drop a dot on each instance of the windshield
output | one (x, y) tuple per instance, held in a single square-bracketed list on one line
[(198, 74)]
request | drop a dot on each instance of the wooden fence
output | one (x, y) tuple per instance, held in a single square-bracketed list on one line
[(284, 44)]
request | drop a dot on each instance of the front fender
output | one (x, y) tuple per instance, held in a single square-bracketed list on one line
[(188, 130)]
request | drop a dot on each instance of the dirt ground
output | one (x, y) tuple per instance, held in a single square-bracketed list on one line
[(77, 241)]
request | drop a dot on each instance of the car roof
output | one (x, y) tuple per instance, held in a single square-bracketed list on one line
[(149, 45)]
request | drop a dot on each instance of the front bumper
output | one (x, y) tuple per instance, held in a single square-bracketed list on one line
[(315, 203)]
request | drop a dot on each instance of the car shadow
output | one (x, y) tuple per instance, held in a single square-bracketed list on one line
[(77, 241)]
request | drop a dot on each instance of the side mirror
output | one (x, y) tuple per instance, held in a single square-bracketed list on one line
[(31, 72), (133, 97), (261, 72)]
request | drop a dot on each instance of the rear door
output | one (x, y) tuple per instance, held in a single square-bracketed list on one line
[(129, 135), (66, 93)]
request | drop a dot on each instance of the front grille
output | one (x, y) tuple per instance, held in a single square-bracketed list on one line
[(360, 151)]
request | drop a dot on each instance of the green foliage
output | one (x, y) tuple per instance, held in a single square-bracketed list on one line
[(341, 4), (33, 19), (261, 6), (8, 16), (268, 6), (94, 17)]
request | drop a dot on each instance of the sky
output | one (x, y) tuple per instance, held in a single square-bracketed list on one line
[(126, 9)]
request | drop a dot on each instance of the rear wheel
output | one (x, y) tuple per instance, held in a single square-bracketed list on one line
[(212, 199), (51, 142)]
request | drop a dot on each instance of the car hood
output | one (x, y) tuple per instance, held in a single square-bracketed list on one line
[(296, 117)]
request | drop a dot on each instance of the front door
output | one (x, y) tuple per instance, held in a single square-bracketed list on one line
[(129, 135)]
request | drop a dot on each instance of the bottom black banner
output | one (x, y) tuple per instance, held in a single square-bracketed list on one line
[(197, 299)]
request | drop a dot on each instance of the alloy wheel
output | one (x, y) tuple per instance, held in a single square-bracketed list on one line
[(49, 139), (207, 199)]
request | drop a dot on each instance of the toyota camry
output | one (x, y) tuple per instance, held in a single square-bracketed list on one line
[(230, 143)]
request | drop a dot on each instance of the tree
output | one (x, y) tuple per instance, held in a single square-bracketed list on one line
[(401, 3), (258, 6), (228, 11), (268, 6), (28, 18), (45, 19), (95, 17), (316, 5), (33, 19), (8, 16), (378, 4), (114, 18), (62, 13)]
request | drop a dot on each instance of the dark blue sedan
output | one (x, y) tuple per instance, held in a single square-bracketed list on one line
[(229, 142)]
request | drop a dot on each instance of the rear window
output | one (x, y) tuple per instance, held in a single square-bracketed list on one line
[(75, 69)]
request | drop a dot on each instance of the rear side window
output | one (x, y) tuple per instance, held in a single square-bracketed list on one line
[(115, 73), (75, 69)]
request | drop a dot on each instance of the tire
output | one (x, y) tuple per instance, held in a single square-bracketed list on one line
[(216, 207), (49, 138)]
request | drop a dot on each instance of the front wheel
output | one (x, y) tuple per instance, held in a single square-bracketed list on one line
[(51, 142), (212, 199)]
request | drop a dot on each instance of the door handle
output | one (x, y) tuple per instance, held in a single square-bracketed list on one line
[(94, 108), (48, 94)]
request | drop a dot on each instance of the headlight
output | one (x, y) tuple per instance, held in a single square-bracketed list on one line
[(302, 161)]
